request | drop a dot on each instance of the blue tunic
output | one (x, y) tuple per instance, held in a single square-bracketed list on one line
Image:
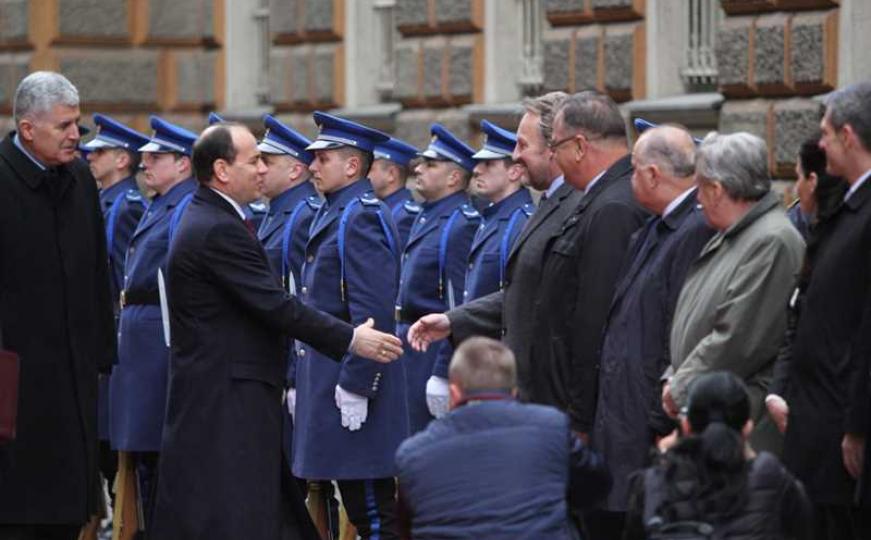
[(123, 206), (435, 256), (138, 385), (405, 210), (352, 235)]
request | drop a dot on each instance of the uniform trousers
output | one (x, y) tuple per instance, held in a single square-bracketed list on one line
[(371, 507)]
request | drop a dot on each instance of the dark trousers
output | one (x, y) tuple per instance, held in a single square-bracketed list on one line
[(146, 474), (108, 467), (841, 523), (604, 525), (371, 507), (39, 532)]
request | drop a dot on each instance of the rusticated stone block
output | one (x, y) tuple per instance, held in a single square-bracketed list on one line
[(751, 116), (769, 68), (189, 20), (556, 64), (195, 77), (618, 61), (14, 19), (407, 73), (587, 58), (93, 18), (813, 52), (432, 72), (460, 71), (413, 126), (127, 77), (324, 75), (11, 72), (284, 16), (412, 15), (457, 122), (794, 121), (319, 16), (733, 55)]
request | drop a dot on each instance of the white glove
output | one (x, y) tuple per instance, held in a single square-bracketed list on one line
[(291, 402), (437, 396), (354, 408)]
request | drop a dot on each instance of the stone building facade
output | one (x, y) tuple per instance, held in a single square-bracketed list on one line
[(756, 65)]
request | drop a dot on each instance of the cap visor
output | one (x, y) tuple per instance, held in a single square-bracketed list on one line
[(489, 154), (95, 143), (267, 148), (323, 145), (153, 147), (431, 154)]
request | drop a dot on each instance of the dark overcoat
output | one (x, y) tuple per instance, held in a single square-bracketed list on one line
[(635, 344), (56, 314), (506, 314), (221, 473)]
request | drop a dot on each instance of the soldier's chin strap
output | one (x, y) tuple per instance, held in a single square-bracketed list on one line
[(489, 394)]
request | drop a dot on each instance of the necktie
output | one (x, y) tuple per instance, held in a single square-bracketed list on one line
[(250, 226)]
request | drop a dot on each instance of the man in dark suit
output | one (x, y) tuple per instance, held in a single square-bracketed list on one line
[(635, 353), (506, 314), (221, 473), (827, 387), (56, 314)]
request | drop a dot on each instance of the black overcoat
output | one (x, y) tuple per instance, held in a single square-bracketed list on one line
[(56, 314), (221, 465)]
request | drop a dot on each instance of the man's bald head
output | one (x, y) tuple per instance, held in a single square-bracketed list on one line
[(664, 166)]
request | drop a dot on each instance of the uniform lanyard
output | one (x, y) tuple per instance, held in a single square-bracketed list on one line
[(443, 250), (343, 224), (286, 234)]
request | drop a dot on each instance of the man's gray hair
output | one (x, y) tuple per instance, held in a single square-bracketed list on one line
[(483, 364), (670, 147), (593, 113), (850, 105), (545, 107), (40, 91), (738, 161)]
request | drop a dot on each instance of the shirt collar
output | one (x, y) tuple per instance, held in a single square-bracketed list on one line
[(555, 185), (235, 205), (593, 182), (21, 147), (856, 185), (676, 202)]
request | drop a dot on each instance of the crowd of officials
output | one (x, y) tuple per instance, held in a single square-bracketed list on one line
[(653, 349)]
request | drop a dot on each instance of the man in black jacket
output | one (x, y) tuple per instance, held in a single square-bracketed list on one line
[(56, 313), (221, 474)]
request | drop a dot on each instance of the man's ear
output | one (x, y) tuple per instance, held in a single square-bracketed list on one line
[(122, 160), (25, 129), (219, 170), (515, 172), (456, 394)]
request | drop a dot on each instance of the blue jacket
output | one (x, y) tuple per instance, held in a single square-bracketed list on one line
[(497, 470), (353, 236), (405, 210), (435, 256), (138, 386)]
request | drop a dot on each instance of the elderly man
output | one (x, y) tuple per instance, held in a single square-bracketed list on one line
[(635, 347), (220, 468), (56, 313), (731, 313), (494, 468), (827, 386), (506, 313)]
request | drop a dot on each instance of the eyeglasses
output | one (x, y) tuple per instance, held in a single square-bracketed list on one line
[(553, 145)]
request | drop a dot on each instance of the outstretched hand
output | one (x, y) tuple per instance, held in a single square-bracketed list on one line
[(428, 329), (374, 344)]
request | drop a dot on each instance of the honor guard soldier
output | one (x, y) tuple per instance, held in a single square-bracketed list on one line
[(350, 417), (388, 175), (139, 381), (257, 210), (113, 156), (498, 181), (434, 260)]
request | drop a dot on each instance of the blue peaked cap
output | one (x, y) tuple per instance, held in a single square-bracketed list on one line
[(215, 118), (642, 125), (396, 151), (498, 143), (169, 138), (336, 132), (445, 146), (113, 134), (280, 139)]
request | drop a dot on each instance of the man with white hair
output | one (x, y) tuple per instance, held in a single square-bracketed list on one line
[(56, 313)]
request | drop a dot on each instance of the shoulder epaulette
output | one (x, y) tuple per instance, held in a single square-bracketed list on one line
[(314, 202), (258, 207), (528, 209), (369, 199), (470, 212), (412, 207), (134, 196)]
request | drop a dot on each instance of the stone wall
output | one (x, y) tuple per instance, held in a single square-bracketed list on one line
[(128, 58)]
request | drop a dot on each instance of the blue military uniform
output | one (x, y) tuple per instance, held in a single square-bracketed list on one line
[(434, 268), (123, 206), (402, 205), (138, 386)]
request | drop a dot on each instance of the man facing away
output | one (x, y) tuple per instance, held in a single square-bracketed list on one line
[(220, 470), (493, 467)]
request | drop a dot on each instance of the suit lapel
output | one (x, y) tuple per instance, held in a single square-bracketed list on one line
[(540, 216)]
